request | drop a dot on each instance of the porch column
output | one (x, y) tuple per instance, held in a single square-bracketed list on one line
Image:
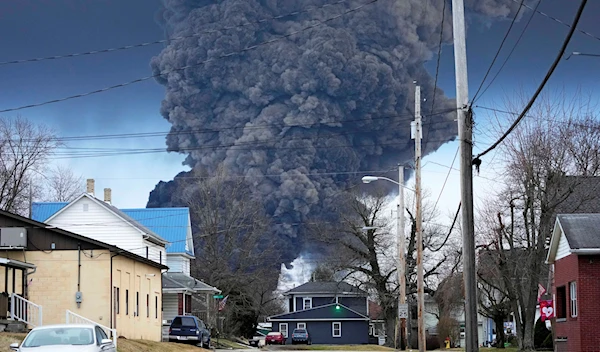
[(6, 279), (184, 299), (14, 278), (24, 284)]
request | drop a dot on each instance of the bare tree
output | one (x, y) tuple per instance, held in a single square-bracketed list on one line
[(360, 244), (24, 151), (561, 138), (233, 252), (62, 184)]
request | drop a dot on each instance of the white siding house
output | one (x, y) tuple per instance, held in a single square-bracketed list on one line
[(99, 220)]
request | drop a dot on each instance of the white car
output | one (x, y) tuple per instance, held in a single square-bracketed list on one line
[(66, 338)]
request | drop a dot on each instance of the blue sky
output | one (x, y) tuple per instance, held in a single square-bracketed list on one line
[(42, 28)]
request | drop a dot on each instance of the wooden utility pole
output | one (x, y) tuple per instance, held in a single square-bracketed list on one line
[(465, 136), (419, 232), (402, 307)]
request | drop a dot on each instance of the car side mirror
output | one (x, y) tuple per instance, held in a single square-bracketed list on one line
[(14, 346), (105, 341)]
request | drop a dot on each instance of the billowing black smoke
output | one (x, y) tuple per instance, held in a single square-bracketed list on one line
[(299, 115)]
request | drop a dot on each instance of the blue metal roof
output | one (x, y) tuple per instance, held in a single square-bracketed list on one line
[(172, 224), (169, 223), (43, 211)]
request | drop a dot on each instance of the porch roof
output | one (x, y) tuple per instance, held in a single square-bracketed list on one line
[(180, 282), (16, 264)]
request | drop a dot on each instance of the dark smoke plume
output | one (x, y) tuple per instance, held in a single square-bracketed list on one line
[(337, 98)]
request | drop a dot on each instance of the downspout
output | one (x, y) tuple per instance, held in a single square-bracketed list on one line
[(78, 271), (112, 303)]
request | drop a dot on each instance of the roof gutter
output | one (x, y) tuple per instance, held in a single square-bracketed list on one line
[(586, 251)]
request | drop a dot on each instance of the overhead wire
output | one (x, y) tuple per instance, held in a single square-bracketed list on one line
[(142, 79), (510, 53), (168, 40), (542, 84), (512, 23), (559, 21)]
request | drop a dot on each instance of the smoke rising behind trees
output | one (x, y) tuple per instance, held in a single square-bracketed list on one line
[(331, 100)]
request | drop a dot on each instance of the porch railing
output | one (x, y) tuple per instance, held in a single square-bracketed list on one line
[(25, 311), (73, 318)]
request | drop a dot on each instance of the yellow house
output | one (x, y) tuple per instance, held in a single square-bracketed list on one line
[(52, 275)]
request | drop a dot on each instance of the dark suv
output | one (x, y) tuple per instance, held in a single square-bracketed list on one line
[(300, 336), (189, 329)]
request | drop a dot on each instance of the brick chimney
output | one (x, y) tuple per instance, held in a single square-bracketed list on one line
[(90, 186), (107, 195)]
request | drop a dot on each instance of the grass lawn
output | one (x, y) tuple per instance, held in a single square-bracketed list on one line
[(484, 349), (334, 348), (123, 345), (225, 344)]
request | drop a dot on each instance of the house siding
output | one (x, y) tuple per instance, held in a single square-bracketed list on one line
[(567, 270), (54, 283), (353, 332), (137, 277), (358, 304), (170, 307), (588, 291), (563, 248), (100, 224), (178, 263)]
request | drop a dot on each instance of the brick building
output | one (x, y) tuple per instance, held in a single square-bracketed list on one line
[(575, 257)]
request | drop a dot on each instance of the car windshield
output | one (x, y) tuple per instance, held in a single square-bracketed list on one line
[(274, 334), (59, 336), (299, 331)]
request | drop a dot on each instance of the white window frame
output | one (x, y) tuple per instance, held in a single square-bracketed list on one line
[(281, 329), (304, 300), (301, 326), (333, 328), (573, 298)]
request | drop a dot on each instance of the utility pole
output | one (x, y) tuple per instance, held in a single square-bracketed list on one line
[(420, 273), (465, 136), (402, 307)]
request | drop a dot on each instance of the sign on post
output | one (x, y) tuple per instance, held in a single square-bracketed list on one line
[(218, 296), (403, 311)]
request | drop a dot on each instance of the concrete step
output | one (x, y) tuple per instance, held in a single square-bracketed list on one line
[(7, 325)]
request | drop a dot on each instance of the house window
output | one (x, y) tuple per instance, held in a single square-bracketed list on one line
[(336, 329), (561, 302), (126, 302), (117, 300), (156, 307), (301, 326), (147, 306), (307, 303), (137, 304), (573, 298), (283, 328)]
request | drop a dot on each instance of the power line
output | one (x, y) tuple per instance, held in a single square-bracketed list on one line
[(511, 51), (232, 147), (449, 231), (541, 87), (165, 41), (243, 126), (560, 21), (512, 23), (142, 79)]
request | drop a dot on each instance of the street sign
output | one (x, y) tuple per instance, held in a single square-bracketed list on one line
[(403, 311), (218, 296)]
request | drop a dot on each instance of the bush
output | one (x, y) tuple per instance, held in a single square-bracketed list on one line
[(512, 340), (432, 343)]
